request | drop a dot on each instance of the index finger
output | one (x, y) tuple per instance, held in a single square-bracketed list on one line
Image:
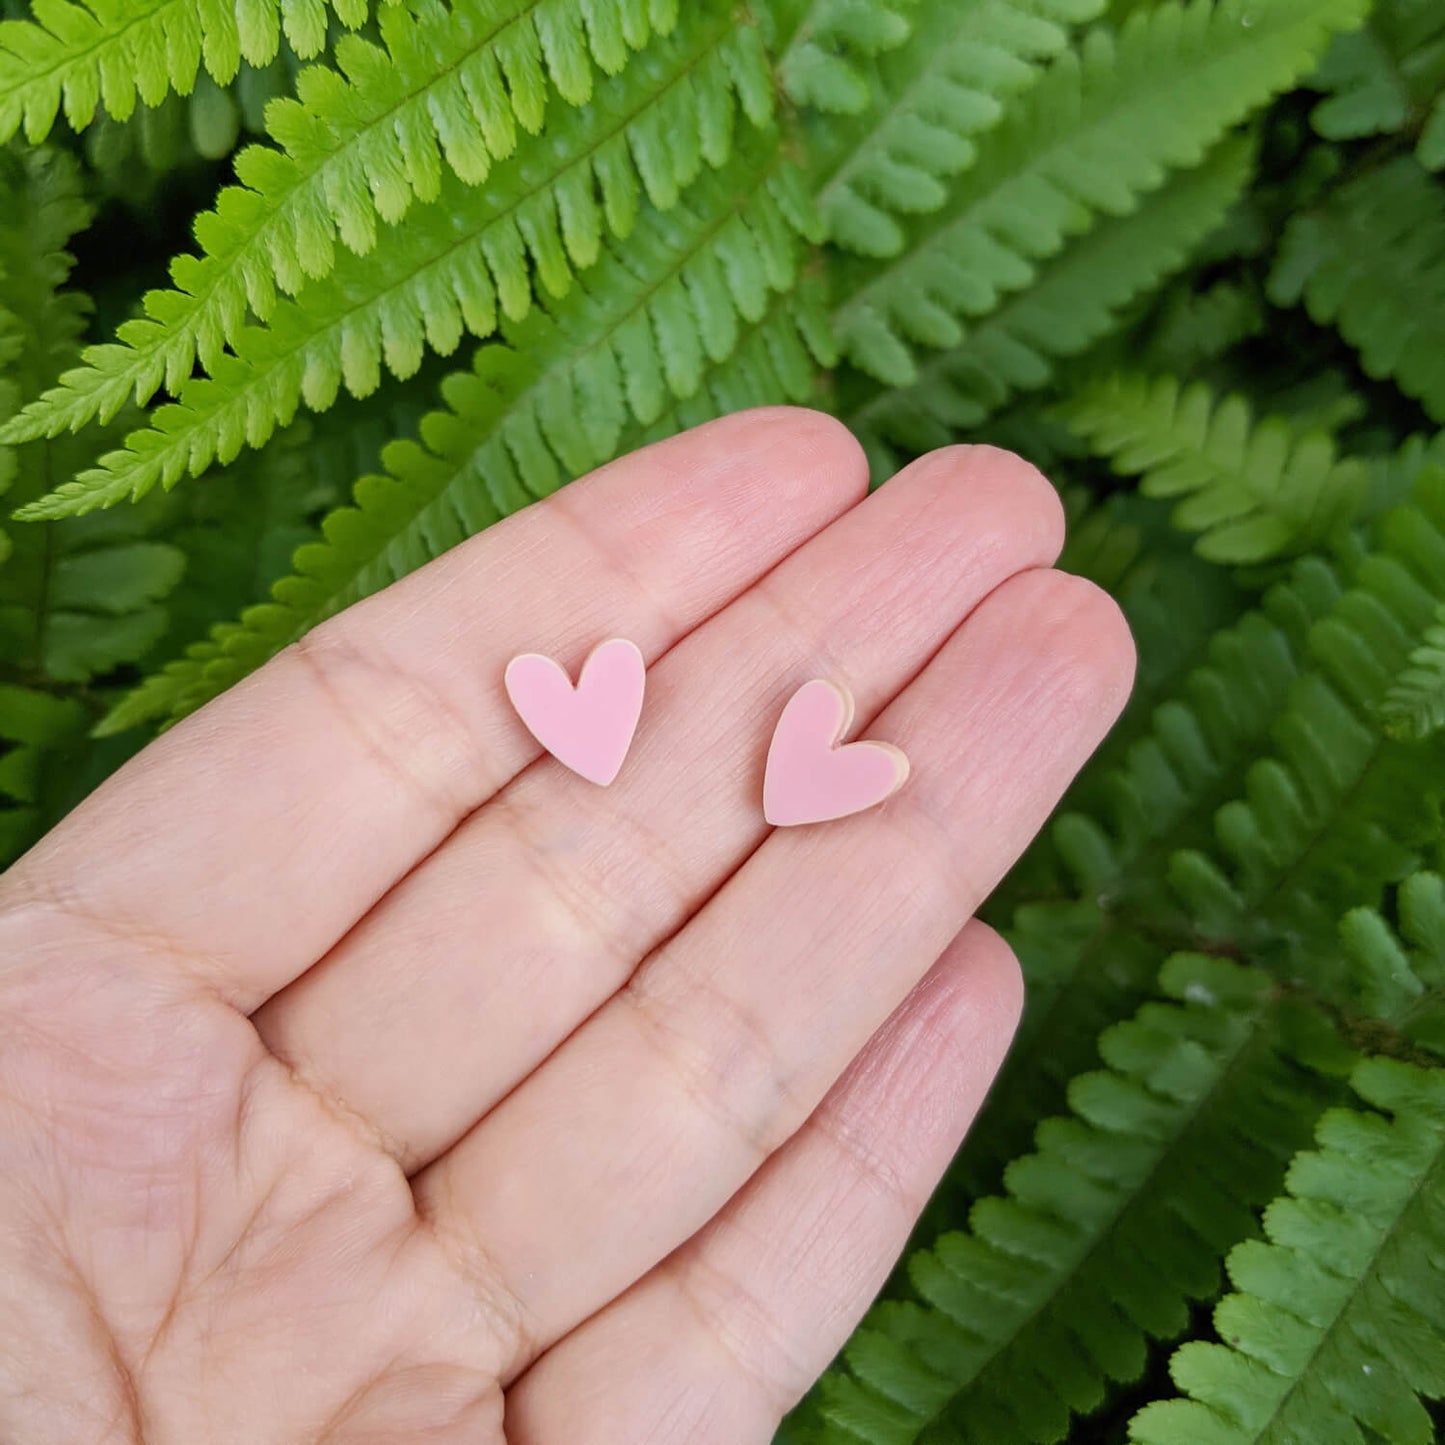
[(247, 840)]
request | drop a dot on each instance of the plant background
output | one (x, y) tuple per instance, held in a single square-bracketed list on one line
[(434, 260)]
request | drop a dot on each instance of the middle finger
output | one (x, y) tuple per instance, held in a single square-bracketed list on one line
[(472, 970)]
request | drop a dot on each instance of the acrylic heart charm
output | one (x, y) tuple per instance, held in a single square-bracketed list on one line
[(809, 778), (587, 728)]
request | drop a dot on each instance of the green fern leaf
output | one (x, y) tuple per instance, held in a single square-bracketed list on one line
[(1085, 957), (515, 427), (1338, 812), (1337, 1327), (922, 114), (1382, 78), (823, 65), (1371, 262), (1396, 973), (110, 52), (457, 263), (1415, 706), (366, 142), (1076, 300), (1098, 1243), (1253, 490), (1098, 131)]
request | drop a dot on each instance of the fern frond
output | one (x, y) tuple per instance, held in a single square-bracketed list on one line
[(1415, 706), (1338, 812), (366, 143), (1252, 490), (1099, 130), (931, 99), (454, 265), (1371, 262), (81, 54), (1086, 959), (1077, 299), (1337, 1326), (829, 42), (1396, 973), (662, 318), (1385, 78), (1099, 1242)]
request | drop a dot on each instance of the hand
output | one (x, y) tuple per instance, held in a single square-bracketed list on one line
[(366, 1077)]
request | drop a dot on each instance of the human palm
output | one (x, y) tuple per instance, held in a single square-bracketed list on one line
[(367, 1077)]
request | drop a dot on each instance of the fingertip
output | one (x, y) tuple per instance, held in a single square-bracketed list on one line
[(999, 493)]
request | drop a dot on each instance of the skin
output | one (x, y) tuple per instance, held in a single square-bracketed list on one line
[(365, 1076)]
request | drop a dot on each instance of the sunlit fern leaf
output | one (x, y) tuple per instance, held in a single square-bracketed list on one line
[(1252, 490), (460, 261), (81, 56), (444, 96), (824, 62), (1102, 127), (1075, 300), (1415, 705), (1338, 812), (515, 426), (1099, 1242), (964, 61), (1337, 1326), (1371, 262), (1396, 972)]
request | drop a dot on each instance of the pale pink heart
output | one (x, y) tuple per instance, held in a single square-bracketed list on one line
[(587, 728), (809, 778)]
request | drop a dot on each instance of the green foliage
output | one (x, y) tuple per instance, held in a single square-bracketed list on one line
[(82, 54), (1386, 78), (1076, 300), (1252, 490), (1415, 706), (1100, 1241), (1101, 129), (1338, 1323), (1371, 260), (1189, 255)]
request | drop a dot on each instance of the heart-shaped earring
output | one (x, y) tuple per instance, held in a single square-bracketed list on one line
[(587, 728), (811, 779)]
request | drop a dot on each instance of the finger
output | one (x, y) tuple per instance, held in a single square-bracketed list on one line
[(252, 836), (539, 906), (644, 1123), (737, 1323)]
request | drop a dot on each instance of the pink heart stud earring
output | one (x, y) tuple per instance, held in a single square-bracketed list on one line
[(587, 728), (811, 779)]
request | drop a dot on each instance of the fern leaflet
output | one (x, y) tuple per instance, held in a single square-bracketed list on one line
[(1338, 812), (1337, 1326), (1098, 1242), (1099, 130), (1253, 490), (1371, 261), (1396, 974), (81, 54), (1076, 300), (369, 142), (1415, 707), (931, 99), (455, 263)]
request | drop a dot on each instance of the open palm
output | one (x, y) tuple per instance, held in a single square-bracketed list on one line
[(365, 1076)]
